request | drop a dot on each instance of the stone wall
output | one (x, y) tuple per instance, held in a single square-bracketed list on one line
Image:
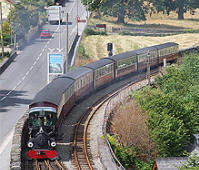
[(21, 128)]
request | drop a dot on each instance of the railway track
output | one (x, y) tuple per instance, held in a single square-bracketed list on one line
[(48, 165), (82, 157)]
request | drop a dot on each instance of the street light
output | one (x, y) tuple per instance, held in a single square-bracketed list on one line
[(77, 17)]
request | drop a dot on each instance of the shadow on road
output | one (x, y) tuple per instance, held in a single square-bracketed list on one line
[(14, 98)]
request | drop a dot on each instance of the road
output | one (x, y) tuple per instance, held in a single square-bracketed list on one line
[(25, 77)]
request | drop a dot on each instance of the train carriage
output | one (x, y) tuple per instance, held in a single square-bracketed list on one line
[(125, 63), (103, 72), (145, 55), (83, 81), (168, 51)]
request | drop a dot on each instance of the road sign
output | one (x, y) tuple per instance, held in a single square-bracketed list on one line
[(101, 26), (55, 63), (82, 20)]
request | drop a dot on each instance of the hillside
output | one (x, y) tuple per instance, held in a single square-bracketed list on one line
[(95, 45)]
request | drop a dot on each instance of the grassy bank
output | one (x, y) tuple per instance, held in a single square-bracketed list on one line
[(95, 45)]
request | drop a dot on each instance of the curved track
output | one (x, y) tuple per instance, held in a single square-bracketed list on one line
[(82, 156), (48, 165)]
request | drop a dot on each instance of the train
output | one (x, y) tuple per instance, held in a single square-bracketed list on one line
[(55, 100)]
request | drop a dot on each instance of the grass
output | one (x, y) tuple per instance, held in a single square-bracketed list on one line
[(96, 45)]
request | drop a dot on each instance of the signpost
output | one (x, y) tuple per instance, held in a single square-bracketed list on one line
[(101, 26), (55, 65)]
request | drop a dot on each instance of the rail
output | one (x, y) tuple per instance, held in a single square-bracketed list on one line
[(21, 125)]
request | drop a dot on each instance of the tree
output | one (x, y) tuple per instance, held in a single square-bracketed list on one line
[(133, 9), (172, 107), (180, 6), (93, 5)]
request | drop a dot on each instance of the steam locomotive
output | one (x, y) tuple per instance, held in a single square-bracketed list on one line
[(56, 99)]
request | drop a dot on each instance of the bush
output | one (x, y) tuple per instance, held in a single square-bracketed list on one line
[(82, 51), (128, 155), (6, 40), (6, 54), (172, 113), (90, 31)]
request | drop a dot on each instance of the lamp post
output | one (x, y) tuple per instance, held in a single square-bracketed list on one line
[(2, 43), (66, 52), (77, 17), (10, 24), (148, 68), (59, 28)]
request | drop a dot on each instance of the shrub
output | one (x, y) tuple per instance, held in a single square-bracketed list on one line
[(90, 31), (82, 51)]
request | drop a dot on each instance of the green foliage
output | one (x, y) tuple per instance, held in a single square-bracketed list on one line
[(82, 51), (175, 5), (50, 2), (27, 14), (128, 155), (6, 54), (133, 9), (192, 163), (172, 108), (90, 31), (93, 5), (6, 33), (141, 165)]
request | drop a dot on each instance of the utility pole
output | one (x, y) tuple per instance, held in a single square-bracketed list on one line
[(2, 43), (77, 17), (148, 69), (87, 11), (59, 28), (10, 24), (66, 59)]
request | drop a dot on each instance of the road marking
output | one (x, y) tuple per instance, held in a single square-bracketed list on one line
[(8, 93), (8, 138), (23, 77), (18, 83), (3, 98), (27, 72), (30, 67)]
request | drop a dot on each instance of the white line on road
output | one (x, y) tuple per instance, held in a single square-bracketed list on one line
[(23, 77), (27, 72), (8, 93), (3, 98), (8, 138), (19, 83)]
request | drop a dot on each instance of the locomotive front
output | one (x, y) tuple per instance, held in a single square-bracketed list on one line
[(42, 133)]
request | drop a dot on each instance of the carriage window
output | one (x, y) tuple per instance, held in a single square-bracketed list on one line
[(34, 119), (49, 118), (142, 57)]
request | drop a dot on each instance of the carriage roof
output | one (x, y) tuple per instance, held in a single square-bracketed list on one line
[(52, 93)]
